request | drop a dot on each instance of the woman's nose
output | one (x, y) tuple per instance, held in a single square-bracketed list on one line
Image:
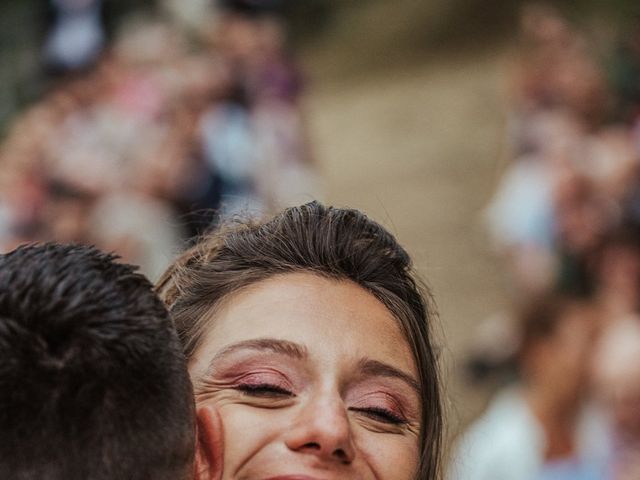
[(322, 429)]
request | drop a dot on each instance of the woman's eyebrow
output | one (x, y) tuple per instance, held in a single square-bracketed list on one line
[(374, 368), (272, 345)]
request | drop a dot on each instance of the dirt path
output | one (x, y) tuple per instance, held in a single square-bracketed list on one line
[(420, 151)]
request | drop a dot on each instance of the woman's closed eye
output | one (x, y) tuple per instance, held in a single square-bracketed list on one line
[(381, 415), (266, 384), (379, 408), (264, 390)]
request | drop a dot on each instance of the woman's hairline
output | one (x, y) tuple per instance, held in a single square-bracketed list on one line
[(214, 308)]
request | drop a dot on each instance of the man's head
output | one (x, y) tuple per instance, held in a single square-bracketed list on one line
[(557, 341), (93, 383)]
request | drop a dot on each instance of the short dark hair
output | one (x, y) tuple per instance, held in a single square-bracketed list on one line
[(332, 242), (93, 384), (540, 317)]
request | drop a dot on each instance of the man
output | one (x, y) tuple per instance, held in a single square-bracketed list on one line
[(93, 383), (541, 427)]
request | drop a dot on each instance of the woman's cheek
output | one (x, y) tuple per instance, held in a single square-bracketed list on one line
[(243, 416), (247, 430), (391, 457), (242, 429)]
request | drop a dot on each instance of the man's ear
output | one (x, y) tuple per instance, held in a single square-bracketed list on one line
[(209, 445)]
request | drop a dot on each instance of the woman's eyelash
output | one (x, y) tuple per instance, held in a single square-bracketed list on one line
[(263, 390), (269, 390), (382, 415)]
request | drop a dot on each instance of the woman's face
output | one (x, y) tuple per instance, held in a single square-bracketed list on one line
[(313, 380)]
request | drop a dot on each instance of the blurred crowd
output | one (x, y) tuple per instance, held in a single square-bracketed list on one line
[(566, 220), (148, 139), (573, 186)]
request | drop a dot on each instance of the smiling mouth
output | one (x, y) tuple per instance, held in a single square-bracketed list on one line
[(292, 477)]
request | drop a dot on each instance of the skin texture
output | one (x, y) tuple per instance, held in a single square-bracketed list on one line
[(312, 379)]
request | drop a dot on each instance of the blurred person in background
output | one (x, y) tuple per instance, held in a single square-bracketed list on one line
[(254, 140), (624, 71), (136, 227), (617, 387), (76, 37), (616, 265), (541, 428), (582, 219)]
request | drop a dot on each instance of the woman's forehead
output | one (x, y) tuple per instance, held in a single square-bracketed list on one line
[(324, 316)]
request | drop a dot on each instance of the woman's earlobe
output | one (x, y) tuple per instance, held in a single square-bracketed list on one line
[(209, 445)]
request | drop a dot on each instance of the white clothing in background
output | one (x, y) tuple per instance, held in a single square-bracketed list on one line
[(507, 443)]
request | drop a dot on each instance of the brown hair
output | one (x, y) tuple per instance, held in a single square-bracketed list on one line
[(540, 317), (331, 242)]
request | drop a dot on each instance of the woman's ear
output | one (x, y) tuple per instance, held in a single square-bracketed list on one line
[(209, 444)]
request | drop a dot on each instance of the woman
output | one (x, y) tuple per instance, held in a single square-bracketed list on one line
[(309, 336)]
